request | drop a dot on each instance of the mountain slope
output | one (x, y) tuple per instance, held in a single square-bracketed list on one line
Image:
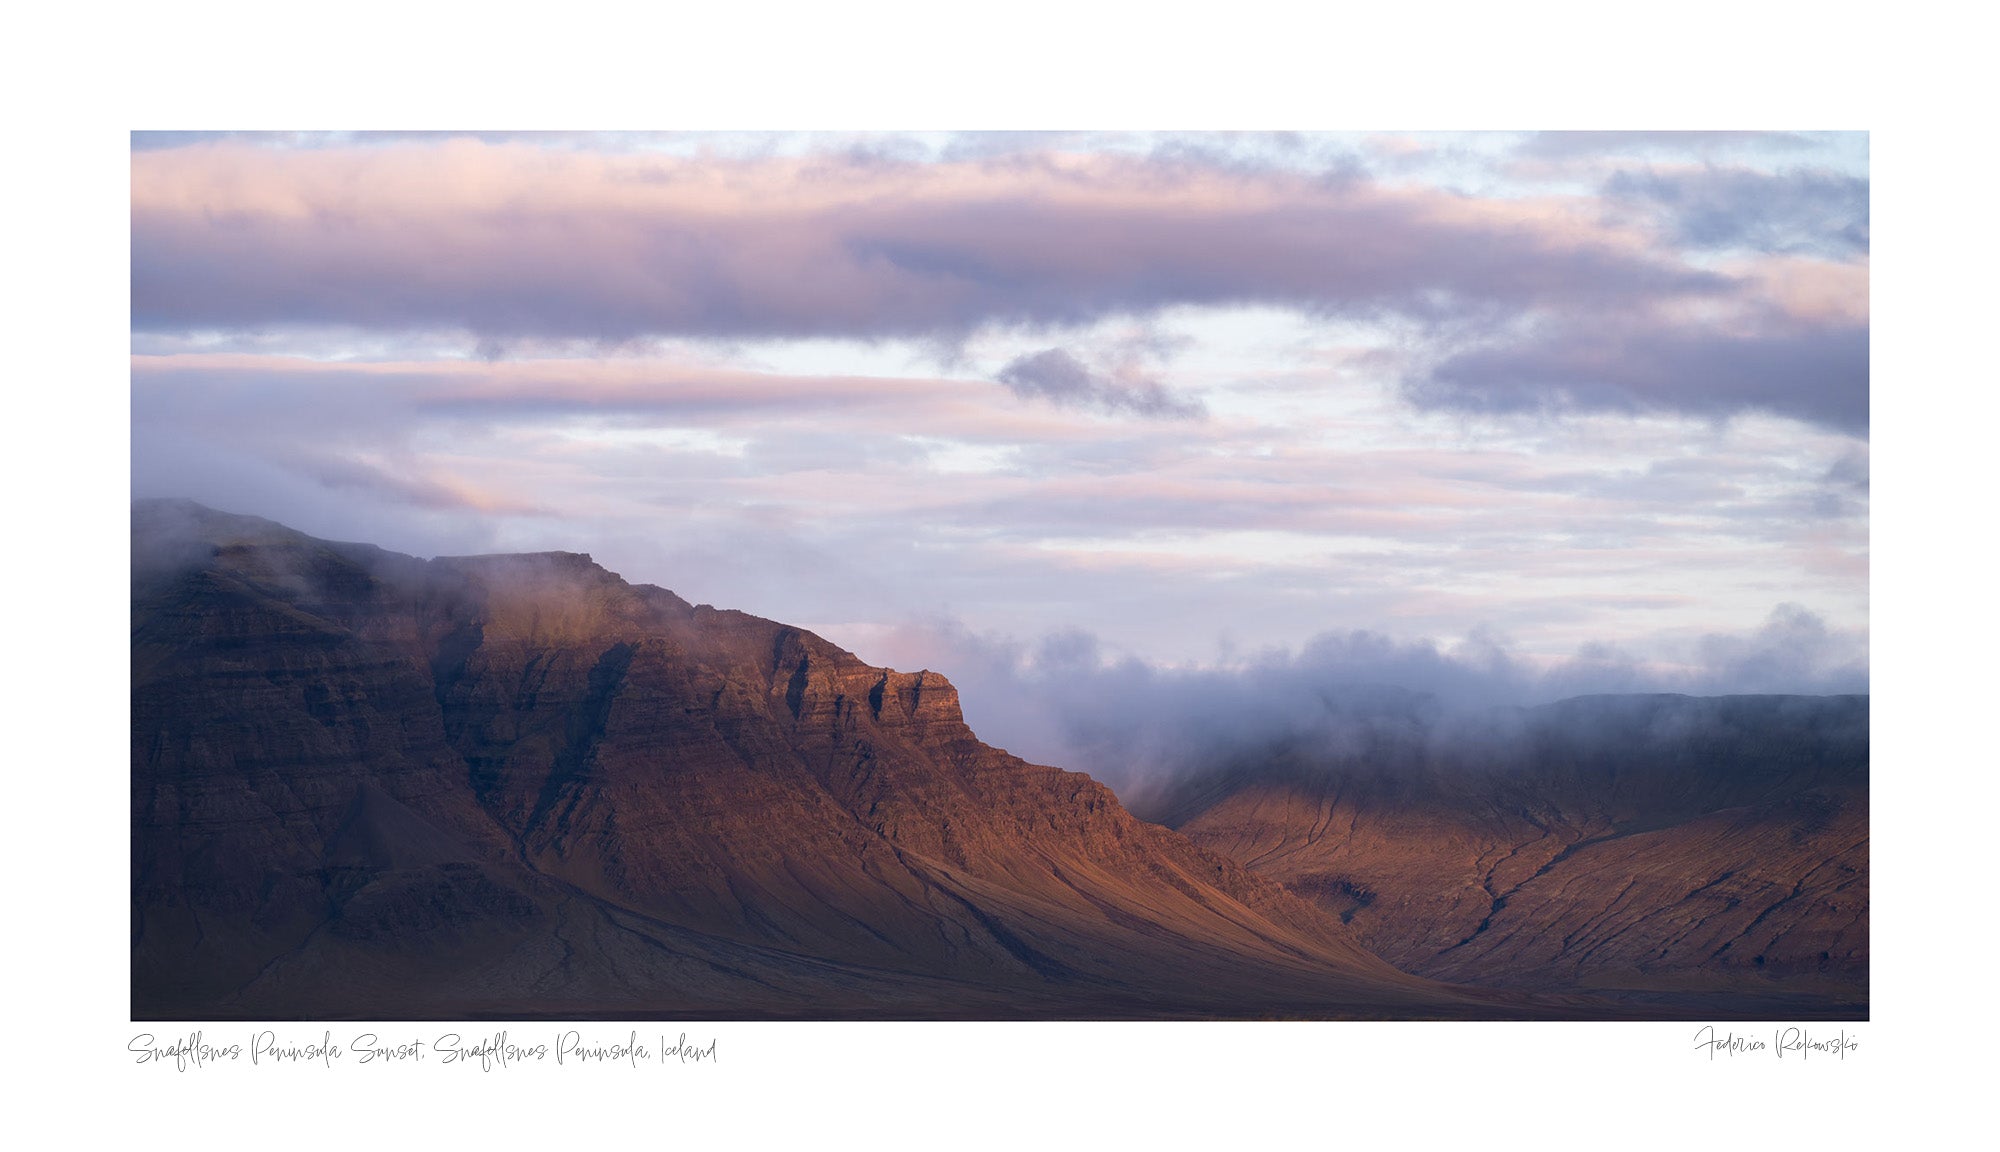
[(1650, 845), (369, 785)]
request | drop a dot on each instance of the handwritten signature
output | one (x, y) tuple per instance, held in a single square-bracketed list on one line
[(1797, 1043)]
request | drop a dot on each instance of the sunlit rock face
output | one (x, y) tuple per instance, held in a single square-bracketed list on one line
[(366, 785)]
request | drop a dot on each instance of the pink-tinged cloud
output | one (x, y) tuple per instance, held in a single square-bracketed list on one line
[(519, 436), (383, 393), (514, 240), (508, 241), (415, 484)]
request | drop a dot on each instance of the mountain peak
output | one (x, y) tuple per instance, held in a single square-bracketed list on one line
[(517, 785)]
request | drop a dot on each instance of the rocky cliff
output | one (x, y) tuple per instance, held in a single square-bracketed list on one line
[(367, 785)]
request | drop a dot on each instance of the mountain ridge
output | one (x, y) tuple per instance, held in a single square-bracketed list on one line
[(1644, 844), (369, 784), (513, 785)]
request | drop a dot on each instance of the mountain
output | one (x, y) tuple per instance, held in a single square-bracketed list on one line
[(1669, 851), (370, 785)]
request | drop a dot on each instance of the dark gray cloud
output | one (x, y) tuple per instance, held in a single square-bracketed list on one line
[(1060, 378), (1802, 211), (1816, 372)]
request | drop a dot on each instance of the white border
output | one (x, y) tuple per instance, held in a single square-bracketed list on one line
[(84, 79)]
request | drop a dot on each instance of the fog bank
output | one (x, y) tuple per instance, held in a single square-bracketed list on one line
[(1337, 696)]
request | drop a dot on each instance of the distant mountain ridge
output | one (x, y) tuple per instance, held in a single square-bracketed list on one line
[(1648, 845)]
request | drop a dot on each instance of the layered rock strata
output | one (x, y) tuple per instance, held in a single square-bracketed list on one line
[(367, 785)]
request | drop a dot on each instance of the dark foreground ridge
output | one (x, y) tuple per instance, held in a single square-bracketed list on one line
[(370, 786)]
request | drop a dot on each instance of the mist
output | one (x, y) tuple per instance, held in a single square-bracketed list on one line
[(1345, 699)]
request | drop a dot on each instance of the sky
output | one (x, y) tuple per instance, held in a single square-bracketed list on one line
[(1074, 418)]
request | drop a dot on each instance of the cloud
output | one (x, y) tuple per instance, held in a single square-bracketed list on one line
[(1021, 515), (282, 394), (511, 242), (1134, 724), (1575, 144), (147, 141), (1850, 471), (1812, 371), (1794, 647), (1797, 211), (1056, 376), (407, 483), (503, 239)]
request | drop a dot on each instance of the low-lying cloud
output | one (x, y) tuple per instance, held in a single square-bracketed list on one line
[(1136, 725)]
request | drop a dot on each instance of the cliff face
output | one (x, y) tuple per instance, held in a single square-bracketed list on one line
[(369, 785), (1658, 847)]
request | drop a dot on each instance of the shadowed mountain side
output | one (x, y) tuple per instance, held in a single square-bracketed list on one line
[(1656, 847), (369, 785)]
